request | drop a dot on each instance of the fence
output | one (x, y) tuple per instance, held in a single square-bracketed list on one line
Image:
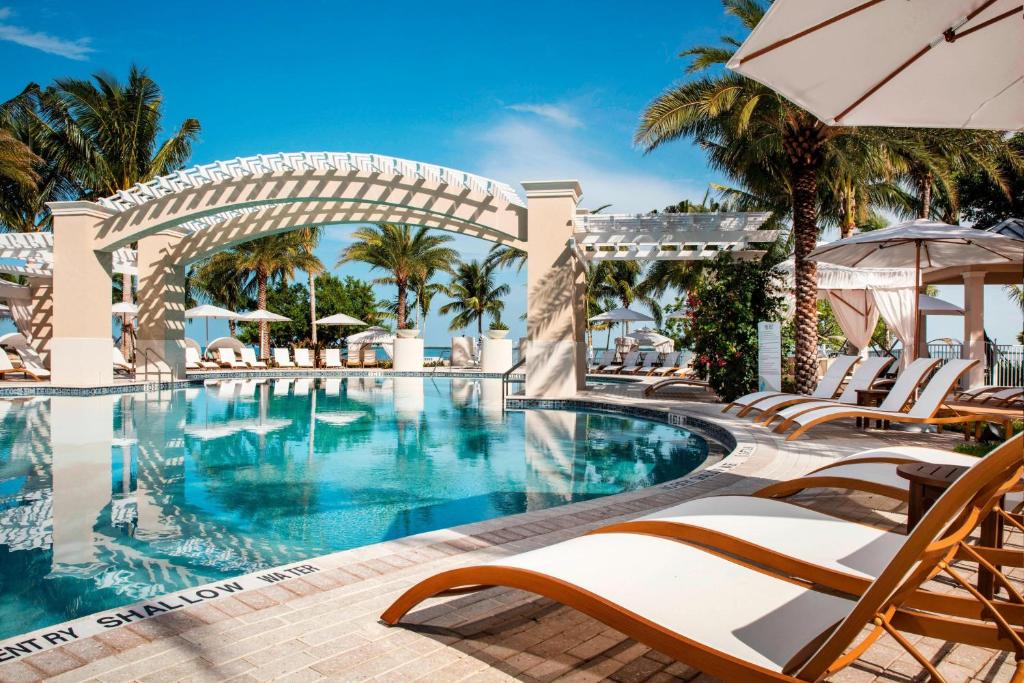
[(1004, 364)]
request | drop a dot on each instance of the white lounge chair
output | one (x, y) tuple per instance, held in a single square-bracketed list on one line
[(332, 358), (194, 362), (303, 358), (649, 363), (606, 357), (733, 620), (669, 364), (249, 358), (992, 396), (924, 410), (32, 362), (282, 359), (628, 361), (7, 368), (226, 358), (863, 378), (828, 386), (120, 364)]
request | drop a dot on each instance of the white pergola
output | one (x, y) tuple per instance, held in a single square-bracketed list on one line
[(670, 236), (35, 251)]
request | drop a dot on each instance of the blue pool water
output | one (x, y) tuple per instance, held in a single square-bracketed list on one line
[(111, 499)]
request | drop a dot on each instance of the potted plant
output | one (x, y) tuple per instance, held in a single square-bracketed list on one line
[(408, 330), (498, 330)]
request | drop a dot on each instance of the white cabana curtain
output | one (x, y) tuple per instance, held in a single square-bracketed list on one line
[(856, 314), (897, 309)]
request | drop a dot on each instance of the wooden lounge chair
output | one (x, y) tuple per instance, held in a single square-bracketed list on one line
[(997, 396), (629, 361), (194, 362), (303, 358), (828, 387), (924, 410), (369, 356), (282, 359), (864, 377), (606, 357), (226, 359), (249, 358), (669, 364), (32, 362), (740, 622), (650, 362), (120, 364), (7, 368), (332, 358), (355, 356), (682, 379)]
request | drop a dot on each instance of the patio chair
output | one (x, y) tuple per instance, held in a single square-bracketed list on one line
[(369, 355), (332, 358), (282, 358), (606, 357), (629, 361), (828, 387), (355, 356), (194, 362), (303, 358), (992, 396), (7, 368), (924, 410), (680, 378), (120, 364), (736, 621), (840, 554), (226, 359), (650, 362), (249, 358), (32, 362), (670, 364)]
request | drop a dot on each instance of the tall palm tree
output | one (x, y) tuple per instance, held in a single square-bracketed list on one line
[(506, 256), (17, 162), (273, 258), (407, 254), (218, 280), (474, 294)]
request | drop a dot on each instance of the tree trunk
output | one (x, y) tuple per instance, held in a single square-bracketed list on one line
[(805, 233), (261, 304), (312, 308), (127, 332), (926, 196), (400, 311), (232, 328), (849, 214)]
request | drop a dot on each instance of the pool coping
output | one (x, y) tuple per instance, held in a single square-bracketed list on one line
[(738, 440)]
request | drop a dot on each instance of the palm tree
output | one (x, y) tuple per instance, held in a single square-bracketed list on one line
[(271, 259), (218, 281), (409, 255), (474, 294), (17, 162), (505, 256)]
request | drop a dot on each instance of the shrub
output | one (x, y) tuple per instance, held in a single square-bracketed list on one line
[(498, 325)]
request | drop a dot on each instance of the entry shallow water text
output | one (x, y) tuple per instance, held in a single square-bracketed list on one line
[(21, 646)]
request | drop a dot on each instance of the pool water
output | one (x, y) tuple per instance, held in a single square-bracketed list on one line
[(112, 499)]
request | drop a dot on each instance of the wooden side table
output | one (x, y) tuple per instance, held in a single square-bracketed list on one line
[(928, 482), (870, 398)]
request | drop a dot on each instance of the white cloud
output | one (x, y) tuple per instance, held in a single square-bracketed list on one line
[(514, 150), (557, 113), (72, 49)]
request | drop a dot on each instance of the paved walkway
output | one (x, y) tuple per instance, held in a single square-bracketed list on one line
[(320, 622)]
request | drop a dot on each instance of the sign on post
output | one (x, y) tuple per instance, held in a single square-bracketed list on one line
[(769, 356)]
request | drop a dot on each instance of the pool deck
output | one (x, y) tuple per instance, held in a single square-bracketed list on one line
[(320, 621)]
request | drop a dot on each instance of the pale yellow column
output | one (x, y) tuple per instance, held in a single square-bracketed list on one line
[(555, 325), (40, 323), (974, 326), (82, 340), (161, 299)]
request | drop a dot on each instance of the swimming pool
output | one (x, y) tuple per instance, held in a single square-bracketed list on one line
[(111, 499)]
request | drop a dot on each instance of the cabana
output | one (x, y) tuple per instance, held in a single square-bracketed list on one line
[(224, 343)]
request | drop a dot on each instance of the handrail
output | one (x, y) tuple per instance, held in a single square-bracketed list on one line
[(145, 366), (505, 379)]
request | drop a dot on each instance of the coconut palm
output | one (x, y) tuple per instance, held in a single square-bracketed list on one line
[(505, 256), (17, 162), (408, 254), (273, 258), (218, 281), (474, 294)]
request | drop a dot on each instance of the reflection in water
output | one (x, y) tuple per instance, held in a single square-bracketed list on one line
[(105, 500)]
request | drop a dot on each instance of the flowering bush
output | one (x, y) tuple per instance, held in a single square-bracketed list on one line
[(721, 322)]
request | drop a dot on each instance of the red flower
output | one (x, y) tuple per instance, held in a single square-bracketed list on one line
[(721, 363)]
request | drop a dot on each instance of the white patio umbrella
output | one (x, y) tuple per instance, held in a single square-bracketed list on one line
[(929, 305), (920, 244), (340, 319), (208, 311), (649, 337), (372, 335), (926, 63), (622, 315), (258, 315), (124, 308)]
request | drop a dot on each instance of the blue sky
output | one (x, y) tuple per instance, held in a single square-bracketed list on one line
[(521, 91)]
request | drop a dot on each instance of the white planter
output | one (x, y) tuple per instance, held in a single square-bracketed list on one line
[(497, 334), (408, 334)]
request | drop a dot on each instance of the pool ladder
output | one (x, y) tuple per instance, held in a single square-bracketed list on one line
[(145, 368), (505, 380)]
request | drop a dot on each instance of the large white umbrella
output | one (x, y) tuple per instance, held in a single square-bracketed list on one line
[(920, 244), (929, 305), (208, 311), (647, 337), (259, 314), (621, 315), (372, 335), (340, 319), (924, 63), (124, 308)]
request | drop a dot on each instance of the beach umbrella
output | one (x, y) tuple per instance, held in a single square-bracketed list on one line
[(929, 305), (208, 311), (340, 319), (622, 315), (920, 244), (933, 64), (372, 335), (124, 308), (258, 315)]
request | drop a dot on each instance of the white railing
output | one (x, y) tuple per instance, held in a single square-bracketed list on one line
[(1004, 362)]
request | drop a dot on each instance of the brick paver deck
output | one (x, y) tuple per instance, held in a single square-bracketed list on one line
[(323, 625)]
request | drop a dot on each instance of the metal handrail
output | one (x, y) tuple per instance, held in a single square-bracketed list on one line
[(145, 366), (505, 380)]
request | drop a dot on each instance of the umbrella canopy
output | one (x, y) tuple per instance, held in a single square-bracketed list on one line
[(340, 319), (621, 315), (209, 311), (124, 308), (679, 315), (929, 305), (933, 64), (257, 315), (645, 336), (372, 335)]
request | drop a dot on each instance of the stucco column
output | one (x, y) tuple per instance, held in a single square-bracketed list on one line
[(555, 309), (82, 341), (161, 299), (40, 322), (974, 326)]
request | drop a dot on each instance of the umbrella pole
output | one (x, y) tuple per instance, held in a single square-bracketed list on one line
[(917, 299)]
